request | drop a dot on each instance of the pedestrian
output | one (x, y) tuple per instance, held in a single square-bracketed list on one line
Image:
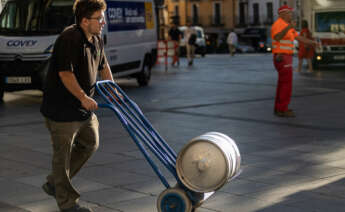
[(68, 106), (305, 51), (175, 35), (283, 34), (232, 42), (190, 38)]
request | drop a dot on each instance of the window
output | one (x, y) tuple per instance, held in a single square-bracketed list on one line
[(217, 13), (195, 14), (330, 22), (256, 14), (176, 10), (243, 12), (36, 17), (175, 18), (269, 13)]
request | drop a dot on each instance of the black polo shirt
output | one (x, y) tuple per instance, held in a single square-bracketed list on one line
[(72, 52)]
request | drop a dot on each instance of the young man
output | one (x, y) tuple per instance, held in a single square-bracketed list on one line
[(232, 42), (175, 35), (283, 34), (67, 106), (190, 46)]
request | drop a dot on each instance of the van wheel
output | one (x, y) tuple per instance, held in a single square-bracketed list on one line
[(2, 89), (1, 94), (144, 76)]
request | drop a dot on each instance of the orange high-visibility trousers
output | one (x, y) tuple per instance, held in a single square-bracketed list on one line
[(284, 85)]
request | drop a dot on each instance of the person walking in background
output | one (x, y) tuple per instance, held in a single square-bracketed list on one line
[(67, 105), (232, 42), (283, 34), (175, 35), (190, 39), (305, 51)]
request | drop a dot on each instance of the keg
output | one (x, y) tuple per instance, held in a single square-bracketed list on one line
[(208, 161)]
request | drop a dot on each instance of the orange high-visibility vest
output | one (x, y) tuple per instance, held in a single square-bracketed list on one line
[(285, 45)]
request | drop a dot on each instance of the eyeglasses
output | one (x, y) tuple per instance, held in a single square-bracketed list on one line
[(99, 19)]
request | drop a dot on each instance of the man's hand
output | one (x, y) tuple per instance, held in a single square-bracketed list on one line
[(88, 103)]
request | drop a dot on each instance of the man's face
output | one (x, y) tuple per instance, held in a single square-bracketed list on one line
[(287, 16), (96, 23)]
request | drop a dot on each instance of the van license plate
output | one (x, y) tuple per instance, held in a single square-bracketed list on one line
[(18, 80), (339, 57)]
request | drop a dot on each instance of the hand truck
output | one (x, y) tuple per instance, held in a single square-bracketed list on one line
[(178, 198)]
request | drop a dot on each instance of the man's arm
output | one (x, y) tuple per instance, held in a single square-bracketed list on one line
[(306, 40), (282, 33), (70, 82), (106, 73)]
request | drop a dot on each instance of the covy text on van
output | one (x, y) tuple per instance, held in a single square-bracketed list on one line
[(21, 43)]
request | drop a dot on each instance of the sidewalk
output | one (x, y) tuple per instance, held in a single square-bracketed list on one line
[(289, 164)]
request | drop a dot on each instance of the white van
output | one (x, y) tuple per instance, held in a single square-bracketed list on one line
[(200, 40), (28, 30)]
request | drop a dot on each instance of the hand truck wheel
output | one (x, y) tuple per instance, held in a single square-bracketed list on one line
[(174, 200)]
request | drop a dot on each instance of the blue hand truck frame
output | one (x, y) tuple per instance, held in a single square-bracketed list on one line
[(144, 135)]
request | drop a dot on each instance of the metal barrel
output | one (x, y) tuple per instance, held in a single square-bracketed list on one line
[(208, 161)]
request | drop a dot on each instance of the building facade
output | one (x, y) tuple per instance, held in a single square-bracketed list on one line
[(218, 17), (262, 13), (215, 16)]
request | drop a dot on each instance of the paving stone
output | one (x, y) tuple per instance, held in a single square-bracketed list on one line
[(321, 203), (236, 203), (9, 208), (14, 169), (320, 171), (143, 204), (241, 187), (29, 157), (82, 185), (109, 176), (15, 193), (152, 187), (111, 195), (49, 205), (101, 158)]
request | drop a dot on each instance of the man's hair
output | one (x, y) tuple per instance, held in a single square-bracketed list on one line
[(85, 8), (304, 24)]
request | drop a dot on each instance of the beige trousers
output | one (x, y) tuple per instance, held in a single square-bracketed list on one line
[(190, 52), (232, 49), (73, 144)]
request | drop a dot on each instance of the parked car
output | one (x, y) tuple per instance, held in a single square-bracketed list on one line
[(259, 38), (200, 41), (244, 48)]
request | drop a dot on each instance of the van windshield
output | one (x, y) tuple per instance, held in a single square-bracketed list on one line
[(330, 22), (199, 33), (35, 17)]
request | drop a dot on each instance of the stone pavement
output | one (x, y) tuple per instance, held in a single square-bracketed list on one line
[(289, 164)]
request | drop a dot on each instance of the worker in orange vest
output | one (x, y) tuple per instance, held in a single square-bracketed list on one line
[(283, 34)]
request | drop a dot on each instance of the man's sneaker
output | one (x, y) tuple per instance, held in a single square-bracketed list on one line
[(287, 114), (49, 189), (77, 208)]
